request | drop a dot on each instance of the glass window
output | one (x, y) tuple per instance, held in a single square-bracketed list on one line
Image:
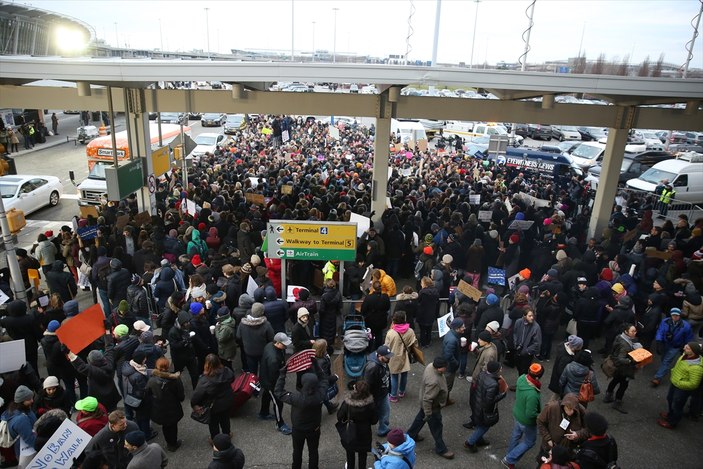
[(681, 181), (636, 167), (8, 190), (655, 176)]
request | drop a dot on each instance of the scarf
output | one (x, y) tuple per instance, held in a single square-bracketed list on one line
[(534, 382), (140, 368), (401, 328)]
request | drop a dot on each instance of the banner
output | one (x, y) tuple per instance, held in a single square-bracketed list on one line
[(300, 361), (522, 225), (496, 276), (89, 232), (443, 323), (67, 443), (12, 355), (80, 331)]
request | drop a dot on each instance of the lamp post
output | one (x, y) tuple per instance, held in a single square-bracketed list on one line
[(473, 41), (207, 30), (313, 41), (161, 35), (117, 37), (334, 50), (292, 30)]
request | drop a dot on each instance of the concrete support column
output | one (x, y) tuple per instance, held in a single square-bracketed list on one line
[(608, 181), (379, 185)]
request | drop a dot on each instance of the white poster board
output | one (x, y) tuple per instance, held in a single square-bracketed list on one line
[(293, 292), (3, 298), (334, 133), (67, 443), (512, 281), (475, 199), (443, 323), (508, 205), (522, 225), (485, 215), (12, 355), (251, 285), (362, 223), (190, 207)]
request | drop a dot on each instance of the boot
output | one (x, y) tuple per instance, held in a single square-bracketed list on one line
[(617, 405), (608, 398)]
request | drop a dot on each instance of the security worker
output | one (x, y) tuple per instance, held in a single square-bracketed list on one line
[(665, 198)]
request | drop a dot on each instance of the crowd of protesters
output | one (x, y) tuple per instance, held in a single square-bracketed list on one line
[(189, 275)]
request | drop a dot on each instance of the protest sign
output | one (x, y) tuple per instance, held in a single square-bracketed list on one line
[(66, 444), (142, 218), (653, 252), (469, 290), (485, 215), (80, 331), (189, 207), (121, 221), (522, 225), (87, 233), (12, 355), (89, 210), (3, 298), (512, 281), (251, 286), (257, 199), (532, 200), (366, 280), (300, 361), (475, 199), (286, 189), (293, 293), (496, 276), (362, 223), (443, 323), (508, 205)]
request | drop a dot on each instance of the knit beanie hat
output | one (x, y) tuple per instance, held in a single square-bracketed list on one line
[(485, 336), (257, 310), (396, 437), (491, 299), (561, 255), (135, 438), (536, 370), (53, 325), (121, 330), (574, 342), (222, 442), (696, 347), (50, 382), (23, 393), (96, 357), (493, 367), (596, 424), (195, 308)]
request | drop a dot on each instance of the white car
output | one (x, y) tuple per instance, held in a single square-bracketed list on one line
[(650, 139), (206, 143), (30, 193)]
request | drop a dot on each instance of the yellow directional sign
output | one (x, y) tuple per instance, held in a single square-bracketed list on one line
[(311, 240)]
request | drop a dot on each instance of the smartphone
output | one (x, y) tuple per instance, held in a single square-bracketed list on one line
[(43, 300)]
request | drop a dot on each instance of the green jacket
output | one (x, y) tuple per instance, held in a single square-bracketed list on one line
[(527, 402), (225, 333), (687, 373)]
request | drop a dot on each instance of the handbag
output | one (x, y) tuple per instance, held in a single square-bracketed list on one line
[(586, 390), (332, 391), (202, 416), (414, 353), (608, 367), (571, 327), (346, 429), (132, 401)]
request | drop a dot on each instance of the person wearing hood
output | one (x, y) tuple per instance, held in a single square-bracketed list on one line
[(562, 423), (451, 351), (165, 286), (118, 281), (407, 302), (358, 407), (526, 409), (225, 455), (51, 396), (587, 313), (651, 318), (673, 333), (329, 310), (579, 371), (122, 315), (398, 451), (565, 355), (686, 377), (226, 336), (213, 240), (21, 324), (167, 318), (272, 360), (182, 352), (146, 345), (60, 281), (490, 313), (625, 367), (275, 310), (377, 375), (302, 334), (622, 313), (57, 364), (214, 388), (306, 412), (400, 338), (45, 252), (196, 245), (387, 284), (20, 419), (255, 332), (166, 392)]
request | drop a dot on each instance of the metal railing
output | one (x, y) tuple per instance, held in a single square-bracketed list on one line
[(675, 207)]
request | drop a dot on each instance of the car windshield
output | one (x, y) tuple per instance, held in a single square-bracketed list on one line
[(626, 163), (655, 176), (586, 151), (234, 120), (8, 190), (98, 171), (205, 139), (169, 116), (211, 116), (568, 128), (651, 135), (566, 146)]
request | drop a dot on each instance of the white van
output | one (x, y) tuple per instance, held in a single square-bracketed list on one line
[(591, 153), (406, 131), (685, 174)]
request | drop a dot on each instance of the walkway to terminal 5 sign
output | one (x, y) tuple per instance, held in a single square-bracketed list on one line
[(311, 240)]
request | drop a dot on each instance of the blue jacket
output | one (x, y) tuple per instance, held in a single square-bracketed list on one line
[(393, 458), (681, 333), (20, 424), (275, 310), (450, 350)]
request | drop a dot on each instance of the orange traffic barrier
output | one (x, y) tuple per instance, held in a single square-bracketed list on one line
[(33, 275), (102, 131)]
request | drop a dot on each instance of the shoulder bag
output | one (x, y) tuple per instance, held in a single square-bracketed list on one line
[(586, 391), (203, 415), (346, 429), (415, 355)]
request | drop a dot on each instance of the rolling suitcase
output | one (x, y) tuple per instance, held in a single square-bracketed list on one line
[(244, 386)]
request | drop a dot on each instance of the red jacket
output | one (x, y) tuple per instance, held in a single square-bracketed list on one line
[(90, 423), (274, 273)]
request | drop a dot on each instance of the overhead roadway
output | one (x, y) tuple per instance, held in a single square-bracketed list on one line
[(628, 98)]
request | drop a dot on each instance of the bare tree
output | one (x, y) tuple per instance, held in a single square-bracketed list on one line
[(624, 67), (599, 66), (644, 68), (657, 69)]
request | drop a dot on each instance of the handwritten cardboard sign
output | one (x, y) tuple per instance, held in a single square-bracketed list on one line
[(469, 290), (67, 443), (121, 221), (87, 210), (286, 189), (257, 199), (82, 330), (142, 218)]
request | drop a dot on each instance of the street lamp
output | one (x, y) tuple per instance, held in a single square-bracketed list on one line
[(334, 50), (473, 41), (313, 41), (161, 35), (207, 31)]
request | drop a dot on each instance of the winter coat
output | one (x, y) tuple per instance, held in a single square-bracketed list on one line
[(255, 333), (549, 314), (180, 343), (167, 393), (363, 413), (527, 337), (375, 308), (271, 362), (196, 245), (148, 456), (687, 373), (527, 402), (564, 356), (309, 304), (680, 331), (101, 383), (275, 310), (301, 335), (624, 365), (21, 324), (61, 282), (46, 252), (451, 349), (117, 283), (409, 304), (226, 335), (216, 390), (306, 404), (400, 345), (378, 376), (231, 458), (491, 313), (387, 284), (691, 310), (152, 353), (273, 272), (244, 308), (92, 422), (134, 384), (123, 352), (56, 362), (393, 458), (433, 391), (330, 307), (111, 445), (20, 424), (43, 403), (138, 301), (245, 245), (485, 405), (549, 421), (165, 286), (428, 305), (574, 375), (486, 354)]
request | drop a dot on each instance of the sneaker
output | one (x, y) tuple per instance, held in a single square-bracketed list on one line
[(393, 399), (447, 455), (470, 447), (507, 464), (401, 395), (266, 417), (470, 379), (462, 376), (285, 429)]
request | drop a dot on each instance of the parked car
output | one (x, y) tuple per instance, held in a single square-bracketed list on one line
[(216, 85), (565, 132), (694, 138), (206, 143), (651, 140), (195, 115), (211, 119), (568, 147), (633, 165), (521, 130), (30, 193), (685, 173), (539, 131), (682, 147), (589, 134), (173, 118), (550, 149), (235, 122)]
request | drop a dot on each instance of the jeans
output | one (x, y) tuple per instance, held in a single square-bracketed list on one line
[(522, 439), (477, 434), (396, 379), (104, 302), (435, 424), (677, 401), (669, 355), (392, 267), (219, 423), (313, 439), (141, 418), (383, 408)]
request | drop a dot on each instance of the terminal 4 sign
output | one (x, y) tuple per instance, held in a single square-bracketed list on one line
[(311, 240)]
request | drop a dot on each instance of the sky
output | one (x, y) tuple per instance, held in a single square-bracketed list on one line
[(562, 28)]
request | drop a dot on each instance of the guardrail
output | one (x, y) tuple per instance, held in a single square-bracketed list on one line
[(675, 207)]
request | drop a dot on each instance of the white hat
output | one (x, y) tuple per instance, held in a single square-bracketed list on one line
[(447, 259), (303, 311), (140, 326), (493, 325), (51, 382)]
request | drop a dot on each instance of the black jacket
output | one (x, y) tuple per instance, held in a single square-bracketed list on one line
[(215, 390), (124, 351), (117, 283), (306, 404), (134, 384), (330, 306), (21, 324), (111, 445), (378, 376), (101, 383), (56, 362), (487, 397), (363, 414), (61, 282), (301, 336), (428, 303), (166, 391), (562, 359), (231, 458), (138, 301), (375, 310), (271, 362)]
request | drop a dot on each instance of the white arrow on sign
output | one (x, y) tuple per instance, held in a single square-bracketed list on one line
[(280, 253), (279, 229), (280, 241)]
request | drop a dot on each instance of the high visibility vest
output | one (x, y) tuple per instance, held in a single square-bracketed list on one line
[(666, 196)]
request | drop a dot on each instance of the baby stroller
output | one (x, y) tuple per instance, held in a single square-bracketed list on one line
[(356, 343)]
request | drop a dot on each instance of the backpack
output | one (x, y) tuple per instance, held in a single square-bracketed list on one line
[(586, 390), (102, 276), (6, 440)]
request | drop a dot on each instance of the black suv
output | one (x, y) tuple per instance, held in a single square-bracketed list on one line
[(634, 164), (539, 131)]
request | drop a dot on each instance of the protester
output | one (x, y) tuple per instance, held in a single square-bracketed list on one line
[(400, 339), (20, 419), (144, 456), (92, 416), (398, 452), (486, 352), (100, 372), (52, 396), (255, 332), (110, 441), (686, 377), (673, 333), (166, 392), (562, 424), (484, 405), (358, 407), (214, 389), (273, 359), (624, 366), (377, 374), (225, 454), (600, 449)]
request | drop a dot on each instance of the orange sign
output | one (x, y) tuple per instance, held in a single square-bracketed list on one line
[(80, 331)]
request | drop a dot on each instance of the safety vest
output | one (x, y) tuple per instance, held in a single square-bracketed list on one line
[(666, 196)]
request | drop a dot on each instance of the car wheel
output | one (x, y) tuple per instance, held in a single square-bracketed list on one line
[(561, 138), (549, 139), (54, 199)]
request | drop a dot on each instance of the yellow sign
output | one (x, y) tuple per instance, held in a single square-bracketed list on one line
[(159, 161), (311, 240)]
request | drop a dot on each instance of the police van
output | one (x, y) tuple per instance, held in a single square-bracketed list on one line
[(685, 174)]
